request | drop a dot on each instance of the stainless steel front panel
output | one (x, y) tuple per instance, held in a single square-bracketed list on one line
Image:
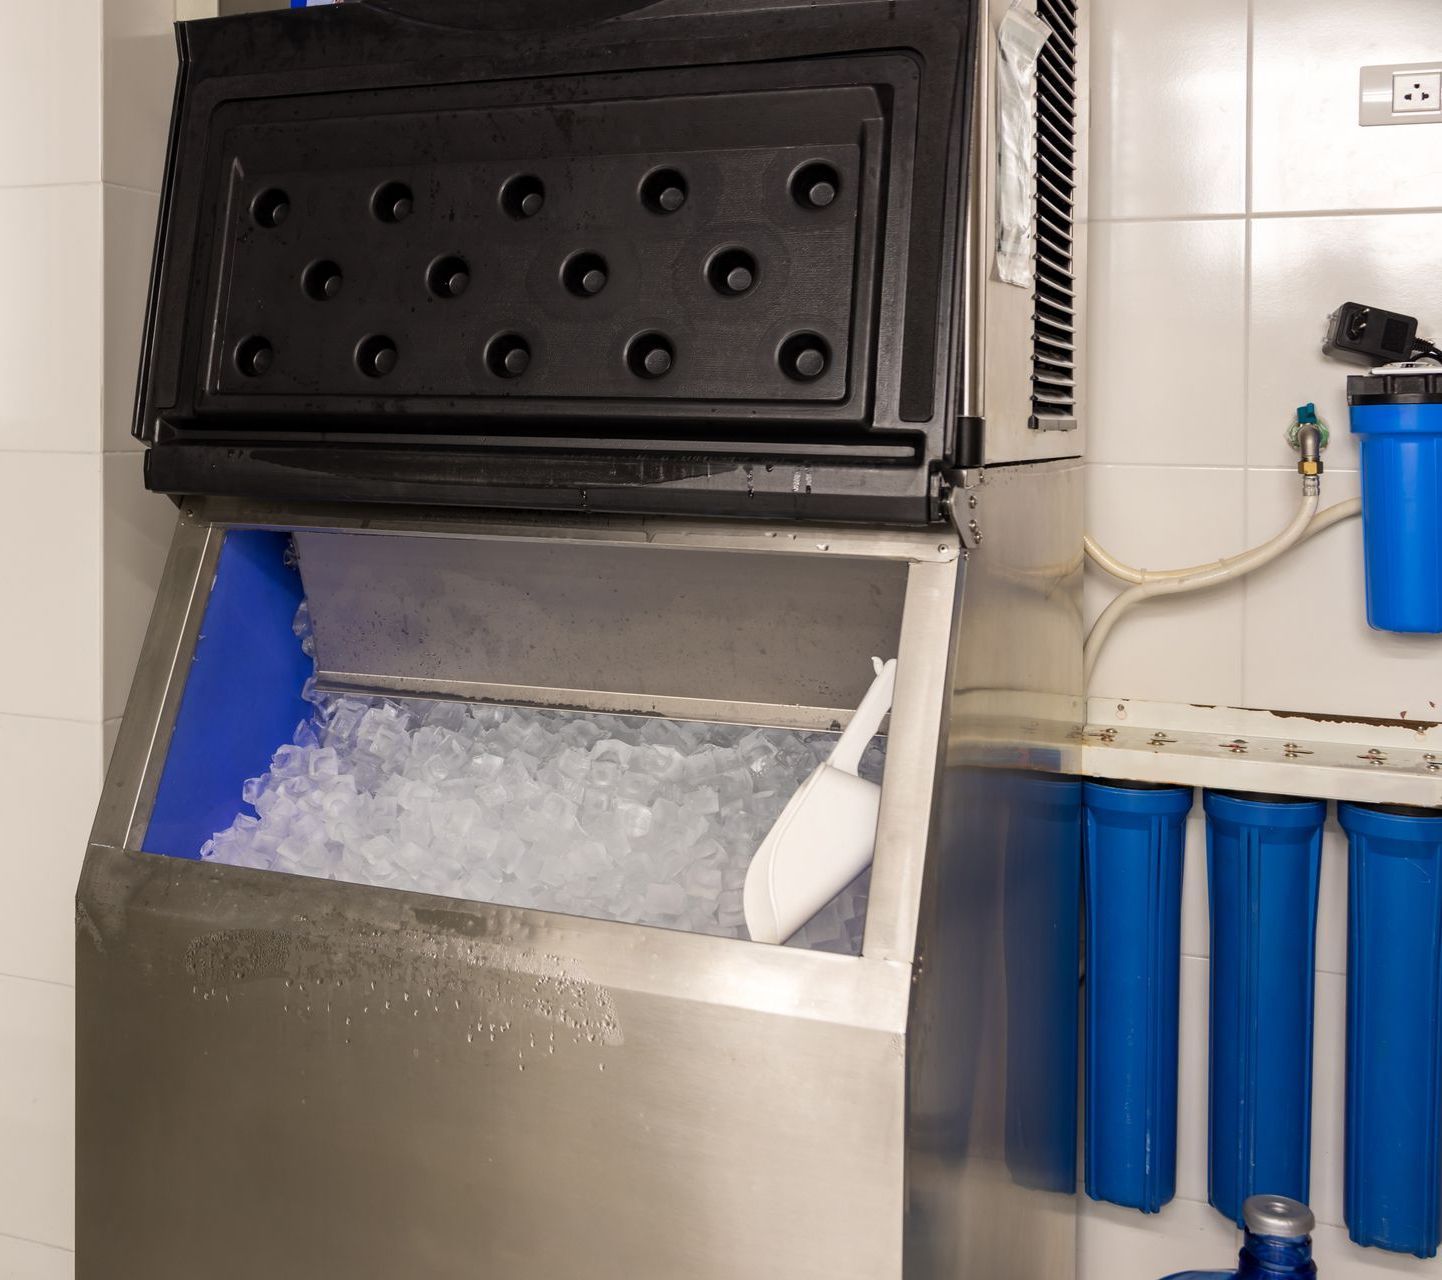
[(976, 1206), (294, 1078)]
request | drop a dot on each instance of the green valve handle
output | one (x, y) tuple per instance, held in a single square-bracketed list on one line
[(1307, 417)]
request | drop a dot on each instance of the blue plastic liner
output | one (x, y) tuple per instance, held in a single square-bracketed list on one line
[(1133, 853), (1264, 858), (242, 694), (1402, 513), (1393, 1182), (1042, 932)]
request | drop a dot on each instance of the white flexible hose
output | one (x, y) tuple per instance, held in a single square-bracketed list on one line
[(1104, 559), (1334, 514), (1203, 576)]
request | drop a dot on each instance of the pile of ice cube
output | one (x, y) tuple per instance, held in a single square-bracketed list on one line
[(616, 817)]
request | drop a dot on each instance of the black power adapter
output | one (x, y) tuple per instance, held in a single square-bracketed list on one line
[(1372, 336)]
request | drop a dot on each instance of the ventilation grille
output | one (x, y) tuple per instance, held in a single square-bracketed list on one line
[(1053, 396)]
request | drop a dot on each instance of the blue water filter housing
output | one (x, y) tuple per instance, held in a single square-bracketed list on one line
[(1134, 841), (1398, 418), (1264, 858), (1392, 1182)]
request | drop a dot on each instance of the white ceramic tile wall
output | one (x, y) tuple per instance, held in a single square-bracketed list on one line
[(130, 223), (139, 86), (40, 859), (136, 535), (50, 93), (50, 575), (1162, 293), (26, 1260), (81, 544), (37, 1111), (1235, 202), (1133, 511), (50, 327), (1206, 318), (1307, 151), (1169, 129), (1301, 269)]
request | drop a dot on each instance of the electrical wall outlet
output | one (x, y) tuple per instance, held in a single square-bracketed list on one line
[(1416, 91), (1404, 93)]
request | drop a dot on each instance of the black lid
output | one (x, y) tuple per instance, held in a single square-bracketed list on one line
[(697, 256), (1417, 386), (1399, 810), (1264, 797)]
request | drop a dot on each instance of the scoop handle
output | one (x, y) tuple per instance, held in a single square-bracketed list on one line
[(846, 755)]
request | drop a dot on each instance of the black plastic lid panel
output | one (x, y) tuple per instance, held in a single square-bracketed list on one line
[(655, 258), (1421, 384)]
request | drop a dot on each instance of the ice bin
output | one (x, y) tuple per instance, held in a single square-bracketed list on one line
[(490, 1082), (299, 1077)]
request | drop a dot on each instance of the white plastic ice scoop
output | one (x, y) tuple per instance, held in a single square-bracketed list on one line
[(826, 835)]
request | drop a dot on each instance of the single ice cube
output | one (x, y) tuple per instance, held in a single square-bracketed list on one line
[(288, 761), (664, 900), (605, 774), (637, 788), (636, 820), (486, 767), (702, 800)]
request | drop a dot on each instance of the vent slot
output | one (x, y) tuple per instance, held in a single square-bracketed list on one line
[(1054, 320)]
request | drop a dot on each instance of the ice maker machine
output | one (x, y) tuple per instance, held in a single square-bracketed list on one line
[(583, 394)]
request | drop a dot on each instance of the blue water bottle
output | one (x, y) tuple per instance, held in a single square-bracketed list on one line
[(1398, 417), (1277, 1244)]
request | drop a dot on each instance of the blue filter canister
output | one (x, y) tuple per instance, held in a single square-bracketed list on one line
[(1392, 1192), (1041, 930), (1264, 859), (1398, 417), (1135, 835)]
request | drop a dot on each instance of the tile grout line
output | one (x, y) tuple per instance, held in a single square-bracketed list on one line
[(27, 977), (127, 186), (1247, 151), (1274, 215), (1213, 466), (138, 451), (1317, 968), (44, 1244), (93, 722), (50, 186)]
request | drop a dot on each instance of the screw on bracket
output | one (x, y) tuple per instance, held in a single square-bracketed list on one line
[(1433, 764), (1292, 750), (1160, 739), (1108, 734), (1237, 746), (1374, 756)]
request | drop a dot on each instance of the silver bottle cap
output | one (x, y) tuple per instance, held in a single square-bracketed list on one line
[(1277, 1216)]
